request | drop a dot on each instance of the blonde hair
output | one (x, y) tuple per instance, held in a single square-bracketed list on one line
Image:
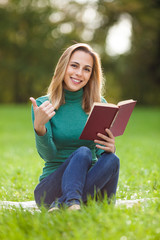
[(92, 90)]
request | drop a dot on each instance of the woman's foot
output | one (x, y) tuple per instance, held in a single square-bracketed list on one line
[(74, 207), (53, 209)]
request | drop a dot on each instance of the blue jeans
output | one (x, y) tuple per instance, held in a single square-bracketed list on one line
[(75, 179)]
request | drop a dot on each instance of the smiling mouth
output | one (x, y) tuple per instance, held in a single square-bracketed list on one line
[(76, 80)]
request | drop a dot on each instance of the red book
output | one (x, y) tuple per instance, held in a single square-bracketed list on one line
[(107, 115)]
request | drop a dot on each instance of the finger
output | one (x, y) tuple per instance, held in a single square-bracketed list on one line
[(106, 149), (52, 114), (45, 104), (104, 137), (45, 107), (33, 102), (48, 114), (48, 107), (110, 134), (49, 110), (104, 143)]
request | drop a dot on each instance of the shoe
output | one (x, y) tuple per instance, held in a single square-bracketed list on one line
[(53, 209), (74, 207)]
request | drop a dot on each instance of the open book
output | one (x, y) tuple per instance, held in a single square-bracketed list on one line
[(107, 115)]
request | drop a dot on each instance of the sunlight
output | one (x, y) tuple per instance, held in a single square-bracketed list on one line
[(118, 40), (3, 2)]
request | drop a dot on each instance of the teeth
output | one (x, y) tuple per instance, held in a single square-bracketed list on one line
[(75, 80)]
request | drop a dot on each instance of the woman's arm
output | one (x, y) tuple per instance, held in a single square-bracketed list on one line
[(42, 112)]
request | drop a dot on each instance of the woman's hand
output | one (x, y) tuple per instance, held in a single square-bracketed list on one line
[(42, 114), (108, 141)]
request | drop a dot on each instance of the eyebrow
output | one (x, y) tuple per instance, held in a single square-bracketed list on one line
[(79, 64)]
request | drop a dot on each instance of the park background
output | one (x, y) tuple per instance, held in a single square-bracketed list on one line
[(33, 35), (126, 34)]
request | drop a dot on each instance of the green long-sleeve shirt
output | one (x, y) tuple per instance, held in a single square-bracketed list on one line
[(63, 131)]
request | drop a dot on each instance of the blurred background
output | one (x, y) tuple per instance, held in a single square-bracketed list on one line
[(126, 34)]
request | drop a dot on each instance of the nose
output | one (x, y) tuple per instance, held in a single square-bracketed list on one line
[(79, 72)]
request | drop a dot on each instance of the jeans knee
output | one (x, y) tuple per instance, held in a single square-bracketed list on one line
[(36, 197), (116, 161), (85, 153), (110, 159)]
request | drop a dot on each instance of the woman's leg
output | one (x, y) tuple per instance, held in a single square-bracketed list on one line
[(74, 176), (67, 182), (102, 177)]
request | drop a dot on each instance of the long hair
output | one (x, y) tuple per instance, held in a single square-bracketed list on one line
[(92, 90)]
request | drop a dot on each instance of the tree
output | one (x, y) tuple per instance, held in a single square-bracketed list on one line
[(137, 72), (32, 38), (33, 34)]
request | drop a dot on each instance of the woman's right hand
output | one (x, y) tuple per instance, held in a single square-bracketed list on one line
[(42, 114)]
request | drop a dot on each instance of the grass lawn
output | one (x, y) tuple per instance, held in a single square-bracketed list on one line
[(20, 167)]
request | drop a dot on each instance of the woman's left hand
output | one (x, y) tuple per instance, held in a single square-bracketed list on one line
[(108, 141)]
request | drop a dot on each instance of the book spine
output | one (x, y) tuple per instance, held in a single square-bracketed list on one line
[(114, 119)]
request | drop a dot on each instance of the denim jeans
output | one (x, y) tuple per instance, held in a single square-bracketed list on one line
[(76, 179)]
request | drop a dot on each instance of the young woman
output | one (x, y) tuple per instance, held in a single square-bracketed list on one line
[(74, 169)]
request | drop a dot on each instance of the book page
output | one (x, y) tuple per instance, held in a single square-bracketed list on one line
[(105, 104), (125, 102)]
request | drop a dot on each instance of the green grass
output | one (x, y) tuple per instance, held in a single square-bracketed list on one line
[(20, 167)]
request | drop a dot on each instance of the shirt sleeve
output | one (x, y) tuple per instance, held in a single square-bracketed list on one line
[(44, 144), (98, 150)]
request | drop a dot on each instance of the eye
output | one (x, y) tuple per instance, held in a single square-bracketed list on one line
[(73, 65), (87, 69)]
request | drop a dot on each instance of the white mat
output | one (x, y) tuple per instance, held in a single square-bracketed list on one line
[(31, 205)]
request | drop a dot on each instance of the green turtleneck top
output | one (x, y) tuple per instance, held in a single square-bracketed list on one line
[(63, 132)]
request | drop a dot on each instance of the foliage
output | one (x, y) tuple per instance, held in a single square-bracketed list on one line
[(135, 73), (31, 43), (21, 166), (98, 221), (33, 34)]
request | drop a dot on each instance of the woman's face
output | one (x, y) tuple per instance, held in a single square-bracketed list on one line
[(78, 71)]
